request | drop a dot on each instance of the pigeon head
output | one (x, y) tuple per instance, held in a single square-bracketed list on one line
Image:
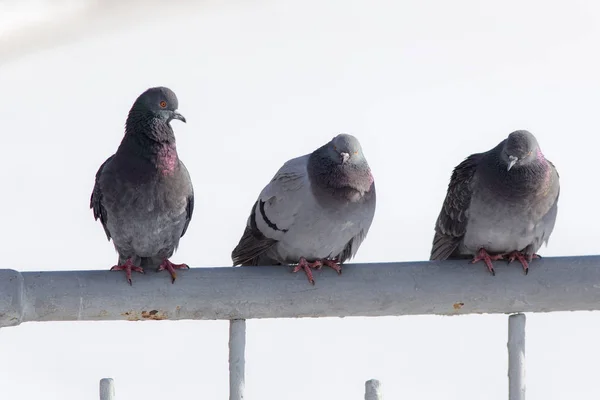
[(520, 148), (345, 149), (158, 103), (341, 164)]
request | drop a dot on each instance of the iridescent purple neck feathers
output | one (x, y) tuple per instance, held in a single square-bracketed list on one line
[(151, 139)]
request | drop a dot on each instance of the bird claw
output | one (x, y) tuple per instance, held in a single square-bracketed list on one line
[(306, 266), (333, 264), (169, 266), (318, 264), (128, 267), (518, 255), (487, 258)]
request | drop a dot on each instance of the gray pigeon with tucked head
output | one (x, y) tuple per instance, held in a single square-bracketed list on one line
[(316, 211), (500, 204), (143, 194)]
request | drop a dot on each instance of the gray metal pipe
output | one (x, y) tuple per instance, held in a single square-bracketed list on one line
[(373, 390), (237, 359), (107, 389), (516, 357), (411, 288)]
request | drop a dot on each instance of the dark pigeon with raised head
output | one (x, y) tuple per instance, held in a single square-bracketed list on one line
[(143, 194), (501, 204), (316, 211)]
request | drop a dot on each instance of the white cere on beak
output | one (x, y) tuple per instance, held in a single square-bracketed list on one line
[(345, 157), (512, 160)]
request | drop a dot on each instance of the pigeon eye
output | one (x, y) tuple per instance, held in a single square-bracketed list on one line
[(356, 152), (163, 104)]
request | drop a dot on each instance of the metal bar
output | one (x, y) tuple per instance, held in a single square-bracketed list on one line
[(107, 389), (237, 358), (412, 288), (516, 357), (373, 390)]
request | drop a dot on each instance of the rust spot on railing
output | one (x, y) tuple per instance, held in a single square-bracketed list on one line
[(145, 315)]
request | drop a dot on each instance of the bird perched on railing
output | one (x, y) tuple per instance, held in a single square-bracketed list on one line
[(501, 204), (143, 194), (316, 211)]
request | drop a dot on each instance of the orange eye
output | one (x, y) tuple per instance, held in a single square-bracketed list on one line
[(356, 152), (334, 147), (163, 104)]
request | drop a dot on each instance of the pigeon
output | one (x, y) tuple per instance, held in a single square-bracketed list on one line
[(316, 211), (143, 194), (501, 204)]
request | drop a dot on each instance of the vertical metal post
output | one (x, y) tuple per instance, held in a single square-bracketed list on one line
[(516, 357), (373, 390), (107, 389), (237, 358)]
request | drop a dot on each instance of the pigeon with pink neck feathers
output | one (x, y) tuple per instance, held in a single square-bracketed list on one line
[(316, 211), (501, 204), (143, 194)]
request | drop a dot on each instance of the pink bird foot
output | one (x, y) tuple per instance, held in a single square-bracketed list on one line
[(128, 267), (306, 266), (522, 259), (318, 264), (484, 256), (169, 266), (333, 264)]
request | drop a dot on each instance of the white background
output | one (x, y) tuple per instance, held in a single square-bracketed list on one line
[(422, 84)]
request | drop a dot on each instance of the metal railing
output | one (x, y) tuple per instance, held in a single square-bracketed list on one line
[(372, 390), (237, 294)]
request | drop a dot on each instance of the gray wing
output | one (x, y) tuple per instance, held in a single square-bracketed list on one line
[(452, 222), (354, 243), (96, 199), (189, 209), (550, 218), (252, 244), (273, 213)]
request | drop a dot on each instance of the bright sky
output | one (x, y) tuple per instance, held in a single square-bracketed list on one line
[(421, 84)]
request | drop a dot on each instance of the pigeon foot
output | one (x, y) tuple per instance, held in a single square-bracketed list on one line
[(306, 267), (484, 256), (524, 260), (128, 267), (333, 264), (169, 266), (318, 264)]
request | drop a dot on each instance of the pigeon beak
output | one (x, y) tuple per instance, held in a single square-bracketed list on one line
[(512, 161), (178, 116), (345, 157)]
